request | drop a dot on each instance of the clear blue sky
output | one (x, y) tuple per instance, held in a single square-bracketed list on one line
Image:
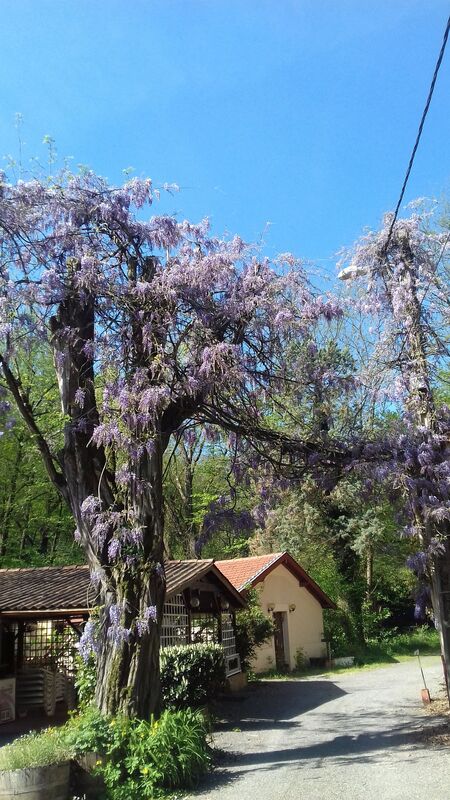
[(301, 113)]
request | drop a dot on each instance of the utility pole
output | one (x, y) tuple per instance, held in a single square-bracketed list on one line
[(422, 407)]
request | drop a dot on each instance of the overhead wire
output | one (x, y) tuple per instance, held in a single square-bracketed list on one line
[(419, 133)]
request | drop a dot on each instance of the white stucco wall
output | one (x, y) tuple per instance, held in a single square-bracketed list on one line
[(303, 627)]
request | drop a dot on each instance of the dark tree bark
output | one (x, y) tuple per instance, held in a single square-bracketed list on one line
[(128, 672)]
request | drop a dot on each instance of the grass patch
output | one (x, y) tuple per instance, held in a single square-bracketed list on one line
[(34, 750), (391, 649)]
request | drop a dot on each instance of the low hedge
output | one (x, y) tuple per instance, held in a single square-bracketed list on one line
[(191, 675)]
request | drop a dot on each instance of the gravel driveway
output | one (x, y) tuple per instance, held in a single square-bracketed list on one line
[(354, 736)]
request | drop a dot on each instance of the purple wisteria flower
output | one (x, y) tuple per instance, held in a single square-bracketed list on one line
[(417, 562), (114, 548), (89, 644), (90, 506), (117, 632), (97, 576), (150, 615), (80, 397)]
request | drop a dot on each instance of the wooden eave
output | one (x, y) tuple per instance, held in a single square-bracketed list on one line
[(305, 580), (51, 613)]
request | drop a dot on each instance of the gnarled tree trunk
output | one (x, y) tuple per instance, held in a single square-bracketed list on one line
[(128, 669), (127, 663)]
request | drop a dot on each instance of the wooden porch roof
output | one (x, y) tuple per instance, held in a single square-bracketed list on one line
[(64, 590)]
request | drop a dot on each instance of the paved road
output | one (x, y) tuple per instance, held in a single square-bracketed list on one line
[(355, 736)]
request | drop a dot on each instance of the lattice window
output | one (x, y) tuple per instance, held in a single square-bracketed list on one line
[(175, 624), (50, 643), (204, 628), (228, 635)]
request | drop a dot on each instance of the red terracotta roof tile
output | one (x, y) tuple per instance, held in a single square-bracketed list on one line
[(242, 571)]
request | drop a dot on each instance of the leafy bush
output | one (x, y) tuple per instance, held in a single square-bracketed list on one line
[(85, 679), (372, 619), (191, 675), (253, 628), (34, 750), (340, 631), (301, 660), (142, 759), (88, 732)]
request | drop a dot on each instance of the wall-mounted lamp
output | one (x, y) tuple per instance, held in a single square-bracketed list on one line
[(30, 627), (195, 601), (292, 607), (270, 607), (224, 604)]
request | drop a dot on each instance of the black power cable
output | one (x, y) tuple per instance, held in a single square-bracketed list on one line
[(419, 133)]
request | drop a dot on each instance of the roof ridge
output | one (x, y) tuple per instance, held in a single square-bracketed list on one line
[(276, 557), (250, 558), (189, 560), (47, 567)]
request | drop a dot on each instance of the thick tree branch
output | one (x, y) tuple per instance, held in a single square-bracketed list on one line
[(26, 411)]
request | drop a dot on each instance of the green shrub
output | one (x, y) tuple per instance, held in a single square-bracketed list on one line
[(253, 628), (340, 631), (88, 732), (301, 660), (34, 750), (85, 680), (191, 675), (142, 759)]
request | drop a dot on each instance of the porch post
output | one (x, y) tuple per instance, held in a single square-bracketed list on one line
[(187, 603), (219, 627), (20, 643)]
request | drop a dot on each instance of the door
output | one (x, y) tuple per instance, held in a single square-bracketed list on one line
[(280, 654)]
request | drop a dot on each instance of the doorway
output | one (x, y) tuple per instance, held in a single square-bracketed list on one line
[(279, 620)]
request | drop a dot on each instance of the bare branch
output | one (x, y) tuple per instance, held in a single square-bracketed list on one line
[(26, 411)]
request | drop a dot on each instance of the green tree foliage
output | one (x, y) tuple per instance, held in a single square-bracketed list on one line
[(350, 545), (253, 628), (197, 474), (36, 527)]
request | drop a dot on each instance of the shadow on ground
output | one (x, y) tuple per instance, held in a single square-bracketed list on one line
[(275, 710), (273, 704)]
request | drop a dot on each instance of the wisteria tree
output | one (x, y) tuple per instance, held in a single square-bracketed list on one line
[(402, 276), (153, 325)]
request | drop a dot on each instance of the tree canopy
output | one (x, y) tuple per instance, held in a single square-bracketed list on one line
[(153, 325)]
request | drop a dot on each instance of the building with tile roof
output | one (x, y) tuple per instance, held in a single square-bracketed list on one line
[(293, 600), (43, 611)]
